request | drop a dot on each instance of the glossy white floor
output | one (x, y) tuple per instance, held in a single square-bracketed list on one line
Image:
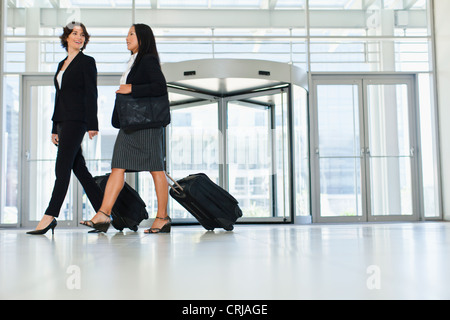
[(357, 261)]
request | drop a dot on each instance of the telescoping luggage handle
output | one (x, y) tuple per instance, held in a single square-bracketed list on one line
[(176, 183)]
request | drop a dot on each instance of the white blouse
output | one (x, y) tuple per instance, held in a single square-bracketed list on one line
[(59, 77), (123, 80)]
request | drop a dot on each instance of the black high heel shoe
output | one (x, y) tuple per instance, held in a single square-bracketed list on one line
[(164, 229), (99, 227), (52, 226)]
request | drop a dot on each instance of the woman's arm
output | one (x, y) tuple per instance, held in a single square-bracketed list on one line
[(91, 95)]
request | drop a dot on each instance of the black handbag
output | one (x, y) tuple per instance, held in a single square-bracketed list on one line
[(141, 113)]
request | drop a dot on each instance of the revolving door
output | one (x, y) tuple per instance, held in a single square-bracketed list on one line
[(244, 124)]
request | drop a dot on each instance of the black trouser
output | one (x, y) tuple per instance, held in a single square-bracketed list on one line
[(70, 157)]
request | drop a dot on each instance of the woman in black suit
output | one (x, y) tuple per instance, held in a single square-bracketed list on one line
[(75, 114), (139, 150)]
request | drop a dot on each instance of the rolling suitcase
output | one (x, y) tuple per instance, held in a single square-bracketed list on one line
[(211, 205), (129, 209)]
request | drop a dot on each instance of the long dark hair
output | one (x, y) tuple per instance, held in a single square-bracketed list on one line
[(146, 41)]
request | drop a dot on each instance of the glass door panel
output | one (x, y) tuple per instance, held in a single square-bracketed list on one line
[(258, 165), (40, 154), (281, 154), (389, 149), (339, 150), (192, 146), (364, 143), (250, 166), (11, 153), (300, 149), (391, 186)]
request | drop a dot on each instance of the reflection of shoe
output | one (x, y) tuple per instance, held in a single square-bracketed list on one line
[(52, 226), (99, 227), (164, 229)]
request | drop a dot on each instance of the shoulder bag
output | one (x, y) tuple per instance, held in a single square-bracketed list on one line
[(141, 113)]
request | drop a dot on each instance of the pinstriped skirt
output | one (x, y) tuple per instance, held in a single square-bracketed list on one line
[(139, 150)]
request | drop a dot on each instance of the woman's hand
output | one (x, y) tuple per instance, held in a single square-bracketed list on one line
[(55, 139), (124, 89), (92, 134)]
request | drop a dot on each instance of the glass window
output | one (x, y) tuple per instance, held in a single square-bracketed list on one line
[(334, 4), (250, 158), (10, 183), (389, 144), (339, 150), (236, 4), (182, 3), (290, 4), (301, 151), (343, 36), (429, 156), (403, 55), (344, 55), (370, 35), (193, 144)]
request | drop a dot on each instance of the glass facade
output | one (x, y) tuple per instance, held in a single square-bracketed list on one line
[(320, 36)]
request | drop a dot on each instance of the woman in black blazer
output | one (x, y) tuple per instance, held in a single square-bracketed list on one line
[(139, 150), (75, 114)]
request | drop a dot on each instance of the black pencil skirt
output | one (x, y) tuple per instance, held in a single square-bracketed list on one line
[(140, 150)]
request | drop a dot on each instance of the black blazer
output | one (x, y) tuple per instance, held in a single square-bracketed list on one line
[(146, 79), (76, 100)]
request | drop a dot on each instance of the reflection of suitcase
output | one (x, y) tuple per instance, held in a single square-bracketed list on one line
[(129, 209), (211, 205)]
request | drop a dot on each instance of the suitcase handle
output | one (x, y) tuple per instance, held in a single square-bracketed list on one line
[(171, 185)]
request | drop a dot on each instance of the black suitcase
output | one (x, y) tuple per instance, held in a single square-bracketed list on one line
[(211, 205), (129, 209)]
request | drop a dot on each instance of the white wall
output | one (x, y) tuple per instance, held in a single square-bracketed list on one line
[(442, 28)]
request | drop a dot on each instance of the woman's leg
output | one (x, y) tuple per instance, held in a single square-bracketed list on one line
[(92, 190), (70, 136), (113, 187), (162, 195)]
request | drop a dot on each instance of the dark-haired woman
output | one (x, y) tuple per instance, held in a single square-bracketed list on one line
[(138, 150), (75, 114)]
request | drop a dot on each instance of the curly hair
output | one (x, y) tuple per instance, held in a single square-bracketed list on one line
[(67, 30)]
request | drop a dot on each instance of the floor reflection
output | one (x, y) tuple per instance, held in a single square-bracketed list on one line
[(360, 261)]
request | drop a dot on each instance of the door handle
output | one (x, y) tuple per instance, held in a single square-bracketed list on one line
[(365, 151)]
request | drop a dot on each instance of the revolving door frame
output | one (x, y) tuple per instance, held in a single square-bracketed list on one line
[(265, 78)]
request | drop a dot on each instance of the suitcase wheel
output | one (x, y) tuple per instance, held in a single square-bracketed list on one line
[(230, 228)]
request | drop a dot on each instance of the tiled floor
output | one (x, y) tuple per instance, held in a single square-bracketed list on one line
[(357, 261)]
